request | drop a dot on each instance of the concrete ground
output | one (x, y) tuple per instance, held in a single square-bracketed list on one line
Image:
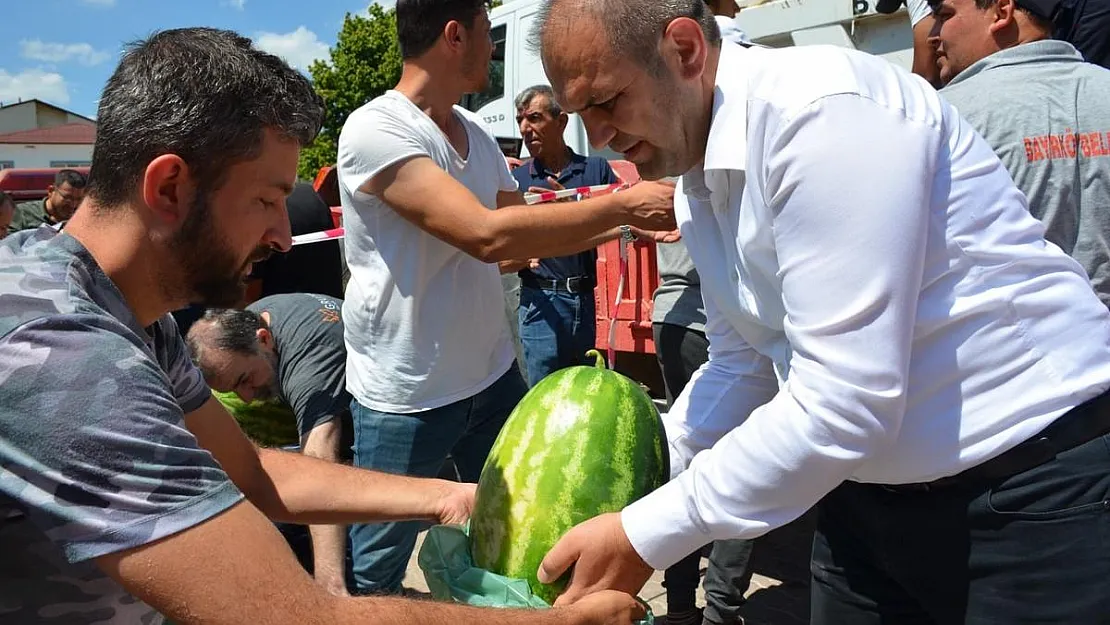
[(779, 592)]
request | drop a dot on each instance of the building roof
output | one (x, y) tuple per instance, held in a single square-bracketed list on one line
[(37, 102), (73, 133)]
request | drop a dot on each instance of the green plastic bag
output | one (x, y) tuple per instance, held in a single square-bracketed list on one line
[(451, 575)]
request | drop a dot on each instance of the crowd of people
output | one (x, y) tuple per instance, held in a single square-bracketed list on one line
[(921, 354)]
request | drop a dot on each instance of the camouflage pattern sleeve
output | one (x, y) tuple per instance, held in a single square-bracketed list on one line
[(93, 443), (189, 386)]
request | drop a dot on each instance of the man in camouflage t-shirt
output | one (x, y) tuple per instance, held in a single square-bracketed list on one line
[(126, 491), (77, 367)]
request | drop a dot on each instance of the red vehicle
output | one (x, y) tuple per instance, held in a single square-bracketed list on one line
[(30, 184)]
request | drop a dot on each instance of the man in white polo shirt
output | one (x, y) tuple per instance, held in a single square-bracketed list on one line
[(902, 349), (430, 361)]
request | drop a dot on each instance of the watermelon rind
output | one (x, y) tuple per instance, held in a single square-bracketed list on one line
[(584, 441)]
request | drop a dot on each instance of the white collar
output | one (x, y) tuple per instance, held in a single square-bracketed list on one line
[(727, 144)]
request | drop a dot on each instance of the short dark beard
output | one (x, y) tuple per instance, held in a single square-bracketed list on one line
[(274, 389), (213, 275)]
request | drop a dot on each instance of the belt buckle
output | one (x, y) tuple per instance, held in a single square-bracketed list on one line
[(570, 289)]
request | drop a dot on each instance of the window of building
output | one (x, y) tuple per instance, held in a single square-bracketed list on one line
[(7, 164), (496, 89), (70, 163)]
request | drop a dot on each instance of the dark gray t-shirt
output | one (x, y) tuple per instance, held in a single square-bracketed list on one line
[(312, 358), (93, 444)]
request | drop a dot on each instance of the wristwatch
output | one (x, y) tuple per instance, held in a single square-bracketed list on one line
[(626, 234)]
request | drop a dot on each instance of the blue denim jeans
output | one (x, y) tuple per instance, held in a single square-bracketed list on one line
[(556, 330), (418, 444)]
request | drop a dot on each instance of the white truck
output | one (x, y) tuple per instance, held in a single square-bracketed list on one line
[(778, 23)]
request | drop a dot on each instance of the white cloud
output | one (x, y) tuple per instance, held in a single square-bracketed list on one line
[(299, 48), (100, 3), (235, 4), (33, 83), (363, 7), (83, 53)]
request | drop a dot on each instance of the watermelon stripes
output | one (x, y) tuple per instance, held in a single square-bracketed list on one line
[(582, 442)]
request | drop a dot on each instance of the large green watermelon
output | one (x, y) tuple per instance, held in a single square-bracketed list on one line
[(584, 441), (270, 423)]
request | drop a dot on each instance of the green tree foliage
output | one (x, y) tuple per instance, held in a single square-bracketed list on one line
[(364, 64)]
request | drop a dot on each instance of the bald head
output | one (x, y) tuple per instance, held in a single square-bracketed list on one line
[(235, 351), (640, 75), (632, 28)]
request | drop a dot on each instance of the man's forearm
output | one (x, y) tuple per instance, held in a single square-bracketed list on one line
[(602, 237), (560, 229), (328, 541), (329, 545), (395, 611), (310, 491)]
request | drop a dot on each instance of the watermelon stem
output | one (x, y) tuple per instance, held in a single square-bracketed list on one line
[(599, 360)]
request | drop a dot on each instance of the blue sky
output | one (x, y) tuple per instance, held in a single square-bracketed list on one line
[(62, 51)]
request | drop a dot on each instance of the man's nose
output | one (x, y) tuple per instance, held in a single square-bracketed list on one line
[(598, 129), (280, 235)]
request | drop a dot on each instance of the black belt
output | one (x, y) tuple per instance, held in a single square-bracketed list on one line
[(1079, 425), (577, 284)]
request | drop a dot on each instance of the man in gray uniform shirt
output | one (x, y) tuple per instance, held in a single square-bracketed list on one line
[(1044, 112)]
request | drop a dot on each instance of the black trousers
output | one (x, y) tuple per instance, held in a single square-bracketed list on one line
[(1033, 547), (680, 352)]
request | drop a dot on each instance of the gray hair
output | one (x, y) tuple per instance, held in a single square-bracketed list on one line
[(633, 29), (524, 98)]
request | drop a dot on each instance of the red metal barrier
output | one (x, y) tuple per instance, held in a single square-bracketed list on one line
[(632, 315)]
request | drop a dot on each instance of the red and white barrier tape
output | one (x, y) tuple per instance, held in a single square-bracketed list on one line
[(580, 193), (316, 237)]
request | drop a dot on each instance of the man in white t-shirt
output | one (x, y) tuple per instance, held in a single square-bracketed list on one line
[(430, 361)]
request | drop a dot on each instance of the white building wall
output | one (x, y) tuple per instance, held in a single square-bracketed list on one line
[(44, 155)]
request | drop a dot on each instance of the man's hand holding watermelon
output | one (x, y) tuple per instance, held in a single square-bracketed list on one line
[(602, 558)]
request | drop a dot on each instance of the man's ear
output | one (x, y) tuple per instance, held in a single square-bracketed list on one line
[(265, 338), (562, 120), (684, 43), (455, 36), (1003, 15), (50, 189), (168, 190)]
